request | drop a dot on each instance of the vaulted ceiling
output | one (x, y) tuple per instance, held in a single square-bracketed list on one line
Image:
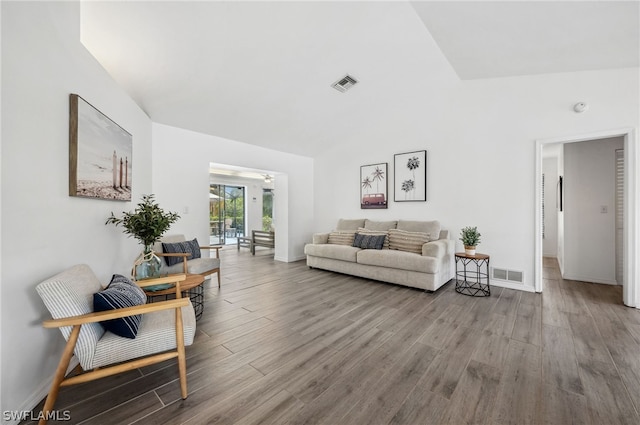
[(260, 72)]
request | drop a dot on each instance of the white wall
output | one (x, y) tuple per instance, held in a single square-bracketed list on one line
[(43, 229), (589, 185), (480, 137), (181, 179), (550, 241)]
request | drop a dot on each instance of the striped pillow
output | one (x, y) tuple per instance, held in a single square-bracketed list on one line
[(120, 293), (407, 241), (364, 231), (341, 238)]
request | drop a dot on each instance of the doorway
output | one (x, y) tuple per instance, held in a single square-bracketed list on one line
[(631, 233)]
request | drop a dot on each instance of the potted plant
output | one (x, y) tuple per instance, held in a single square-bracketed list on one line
[(470, 238), (147, 223)]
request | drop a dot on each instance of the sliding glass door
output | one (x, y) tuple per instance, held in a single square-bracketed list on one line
[(226, 213)]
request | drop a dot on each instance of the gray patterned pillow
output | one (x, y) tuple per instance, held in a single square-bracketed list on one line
[(369, 241), (187, 247), (384, 233)]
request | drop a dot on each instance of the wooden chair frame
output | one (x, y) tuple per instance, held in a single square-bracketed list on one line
[(185, 257), (77, 321)]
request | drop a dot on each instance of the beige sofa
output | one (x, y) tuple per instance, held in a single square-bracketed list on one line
[(428, 270)]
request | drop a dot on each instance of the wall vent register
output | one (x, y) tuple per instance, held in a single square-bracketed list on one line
[(345, 83), (507, 275)]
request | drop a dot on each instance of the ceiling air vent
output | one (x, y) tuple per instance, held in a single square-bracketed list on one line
[(345, 83)]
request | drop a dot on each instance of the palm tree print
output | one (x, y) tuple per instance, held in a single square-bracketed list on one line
[(378, 176), (366, 184), (412, 165), (407, 186)]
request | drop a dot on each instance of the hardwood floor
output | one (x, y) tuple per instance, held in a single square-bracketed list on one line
[(283, 344)]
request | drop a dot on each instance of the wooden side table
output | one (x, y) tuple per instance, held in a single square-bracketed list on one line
[(191, 287), (473, 280)]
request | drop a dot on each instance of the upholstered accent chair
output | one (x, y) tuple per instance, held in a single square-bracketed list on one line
[(164, 330), (191, 261)]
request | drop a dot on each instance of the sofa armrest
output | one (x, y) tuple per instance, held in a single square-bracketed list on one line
[(439, 248), (320, 238)]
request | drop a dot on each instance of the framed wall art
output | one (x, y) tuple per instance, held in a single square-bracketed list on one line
[(373, 186), (100, 160), (410, 177)]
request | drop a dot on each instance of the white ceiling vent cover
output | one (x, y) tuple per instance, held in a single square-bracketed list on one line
[(345, 83)]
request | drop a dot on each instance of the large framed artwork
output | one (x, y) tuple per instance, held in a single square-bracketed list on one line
[(410, 177), (100, 160), (373, 186)]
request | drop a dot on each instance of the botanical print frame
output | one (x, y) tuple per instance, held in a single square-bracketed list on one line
[(100, 154), (373, 186), (410, 177)]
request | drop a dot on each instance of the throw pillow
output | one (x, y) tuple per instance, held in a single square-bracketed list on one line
[(407, 241), (342, 238), (384, 233), (369, 241), (431, 227), (120, 293), (187, 247)]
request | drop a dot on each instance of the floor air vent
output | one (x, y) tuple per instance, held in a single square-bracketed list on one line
[(513, 276), (345, 83)]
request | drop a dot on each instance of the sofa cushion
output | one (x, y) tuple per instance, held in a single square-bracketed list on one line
[(398, 260), (364, 231), (197, 266), (349, 224), (407, 241), (380, 225), (342, 237), (369, 241), (336, 252), (430, 227)]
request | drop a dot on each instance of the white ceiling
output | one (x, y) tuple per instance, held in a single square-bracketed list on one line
[(260, 72)]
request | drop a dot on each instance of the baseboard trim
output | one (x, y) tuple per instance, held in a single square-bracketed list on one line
[(290, 260), (41, 392), (589, 279), (505, 284)]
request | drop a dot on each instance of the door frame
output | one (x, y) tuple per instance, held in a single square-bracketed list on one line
[(631, 244)]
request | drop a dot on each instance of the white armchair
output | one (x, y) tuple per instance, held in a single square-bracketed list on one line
[(164, 330)]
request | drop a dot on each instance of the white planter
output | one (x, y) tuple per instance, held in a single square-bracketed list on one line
[(470, 250)]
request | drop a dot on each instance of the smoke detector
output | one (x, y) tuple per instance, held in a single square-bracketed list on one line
[(345, 83)]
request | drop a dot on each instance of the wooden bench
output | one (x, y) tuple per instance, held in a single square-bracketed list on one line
[(262, 238), (245, 242)]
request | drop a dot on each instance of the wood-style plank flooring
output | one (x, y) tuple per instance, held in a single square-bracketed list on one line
[(283, 344)]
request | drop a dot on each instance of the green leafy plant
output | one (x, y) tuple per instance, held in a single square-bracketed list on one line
[(147, 223), (470, 236)]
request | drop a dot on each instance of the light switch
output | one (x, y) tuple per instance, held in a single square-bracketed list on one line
[(603, 209)]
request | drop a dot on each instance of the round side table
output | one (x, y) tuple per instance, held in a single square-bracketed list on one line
[(472, 274), (191, 287)]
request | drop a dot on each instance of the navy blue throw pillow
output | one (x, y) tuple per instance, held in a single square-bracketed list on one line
[(368, 241), (188, 247), (120, 293)]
